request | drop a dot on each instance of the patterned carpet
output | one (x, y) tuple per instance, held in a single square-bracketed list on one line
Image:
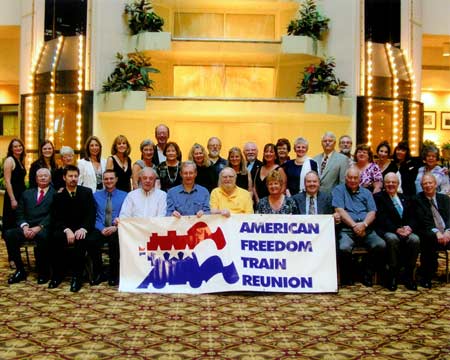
[(101, 323)]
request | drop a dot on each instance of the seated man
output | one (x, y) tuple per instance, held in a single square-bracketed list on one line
[(108, 205), (73, 216), (146, 201), (312, 201), (432, 217), (357, 209), (394, 225), (33, 220), (188, 198), (228, 198)]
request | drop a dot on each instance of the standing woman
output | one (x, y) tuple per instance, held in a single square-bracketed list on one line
[(206, 174), (384, 161), (170, 170), (92, 165), (147, 151), (297, 168), (408, 168), (46, 160), (237, 162), (283, 149), (14, 173), (370, 174), (120, 162), (270, 162)]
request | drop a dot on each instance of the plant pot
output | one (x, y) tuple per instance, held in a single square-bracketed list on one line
[(327, 104), (150, 41), (122, 100), (291, 44)]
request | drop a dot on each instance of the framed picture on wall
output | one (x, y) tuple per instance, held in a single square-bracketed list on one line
[(445, 120), (429, 120)]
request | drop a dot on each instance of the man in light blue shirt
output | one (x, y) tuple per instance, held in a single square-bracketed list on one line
[(188, 198), (108, 205)]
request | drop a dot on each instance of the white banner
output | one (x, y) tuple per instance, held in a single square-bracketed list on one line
[(275, 253)]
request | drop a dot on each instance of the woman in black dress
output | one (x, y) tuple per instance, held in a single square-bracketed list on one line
[(384, 161), (14, 174), (237, 162), (46, 160), (170, 170), (408, 168), (120, 162), (206, 174)]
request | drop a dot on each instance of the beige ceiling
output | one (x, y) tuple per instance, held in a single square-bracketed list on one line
[(435, 67)]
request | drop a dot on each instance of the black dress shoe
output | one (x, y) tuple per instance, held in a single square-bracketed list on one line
[(75, 284), (367, 280), (113, 282), (392, 284), (42, 280), (425, 283), (98, 279), (18, 276), (411, 285), (54, 283)]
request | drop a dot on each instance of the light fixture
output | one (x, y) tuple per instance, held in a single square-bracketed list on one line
[(446, 49)]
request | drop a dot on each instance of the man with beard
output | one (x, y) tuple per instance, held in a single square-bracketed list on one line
[(251, 155), (162, 134), (214, 146), (228, 198)]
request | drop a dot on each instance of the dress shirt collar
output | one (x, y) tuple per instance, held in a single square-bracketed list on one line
[(351, 192), (183, 191), (147, 193)]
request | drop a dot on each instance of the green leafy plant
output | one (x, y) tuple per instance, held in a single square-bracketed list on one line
[(309, 22), (321, 79), (445, 146), (130, 74), (142, 18)]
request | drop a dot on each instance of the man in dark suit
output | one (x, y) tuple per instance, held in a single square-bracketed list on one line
[(251, 155), (394, 224), (73, 214), (217, 162), (312, 201), (162, 135), (432, 216), (331, 164), (33, 220)]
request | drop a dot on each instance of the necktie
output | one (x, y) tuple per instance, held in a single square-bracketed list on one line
[(397, 206), (72, 194), (324, 164), (41, 197), (108, 210), (437, 217), (312, 206)]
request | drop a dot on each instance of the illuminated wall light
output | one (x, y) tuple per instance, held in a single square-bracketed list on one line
[(369, 92), (80, 72)]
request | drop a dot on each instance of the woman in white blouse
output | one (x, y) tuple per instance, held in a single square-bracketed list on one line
[(92, 165)]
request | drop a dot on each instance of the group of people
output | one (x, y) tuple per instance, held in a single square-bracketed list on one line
[(394, 206)]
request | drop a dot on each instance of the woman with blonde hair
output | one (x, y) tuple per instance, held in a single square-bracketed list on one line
[(237, 162), (120, 162), (92, 165), (276, 202), (206, 174)]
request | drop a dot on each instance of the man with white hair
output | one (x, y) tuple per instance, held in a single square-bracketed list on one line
[(33, 223), (331, 164), (146, 201), (394, 224), (214, 146), (345, 145), (251, 155), (228, 198)]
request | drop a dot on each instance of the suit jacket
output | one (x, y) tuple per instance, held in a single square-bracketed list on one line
[(388, 219), (255, 168), (424, 222), (323, 203), (334, 172), (74, 213), (34, 214)]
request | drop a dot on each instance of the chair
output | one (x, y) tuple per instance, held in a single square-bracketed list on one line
[(24, 248)]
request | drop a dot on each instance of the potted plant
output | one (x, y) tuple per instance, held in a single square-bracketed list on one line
[(322, 90), (127, 86), (146, 27), (445, 148), (305, 32)]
